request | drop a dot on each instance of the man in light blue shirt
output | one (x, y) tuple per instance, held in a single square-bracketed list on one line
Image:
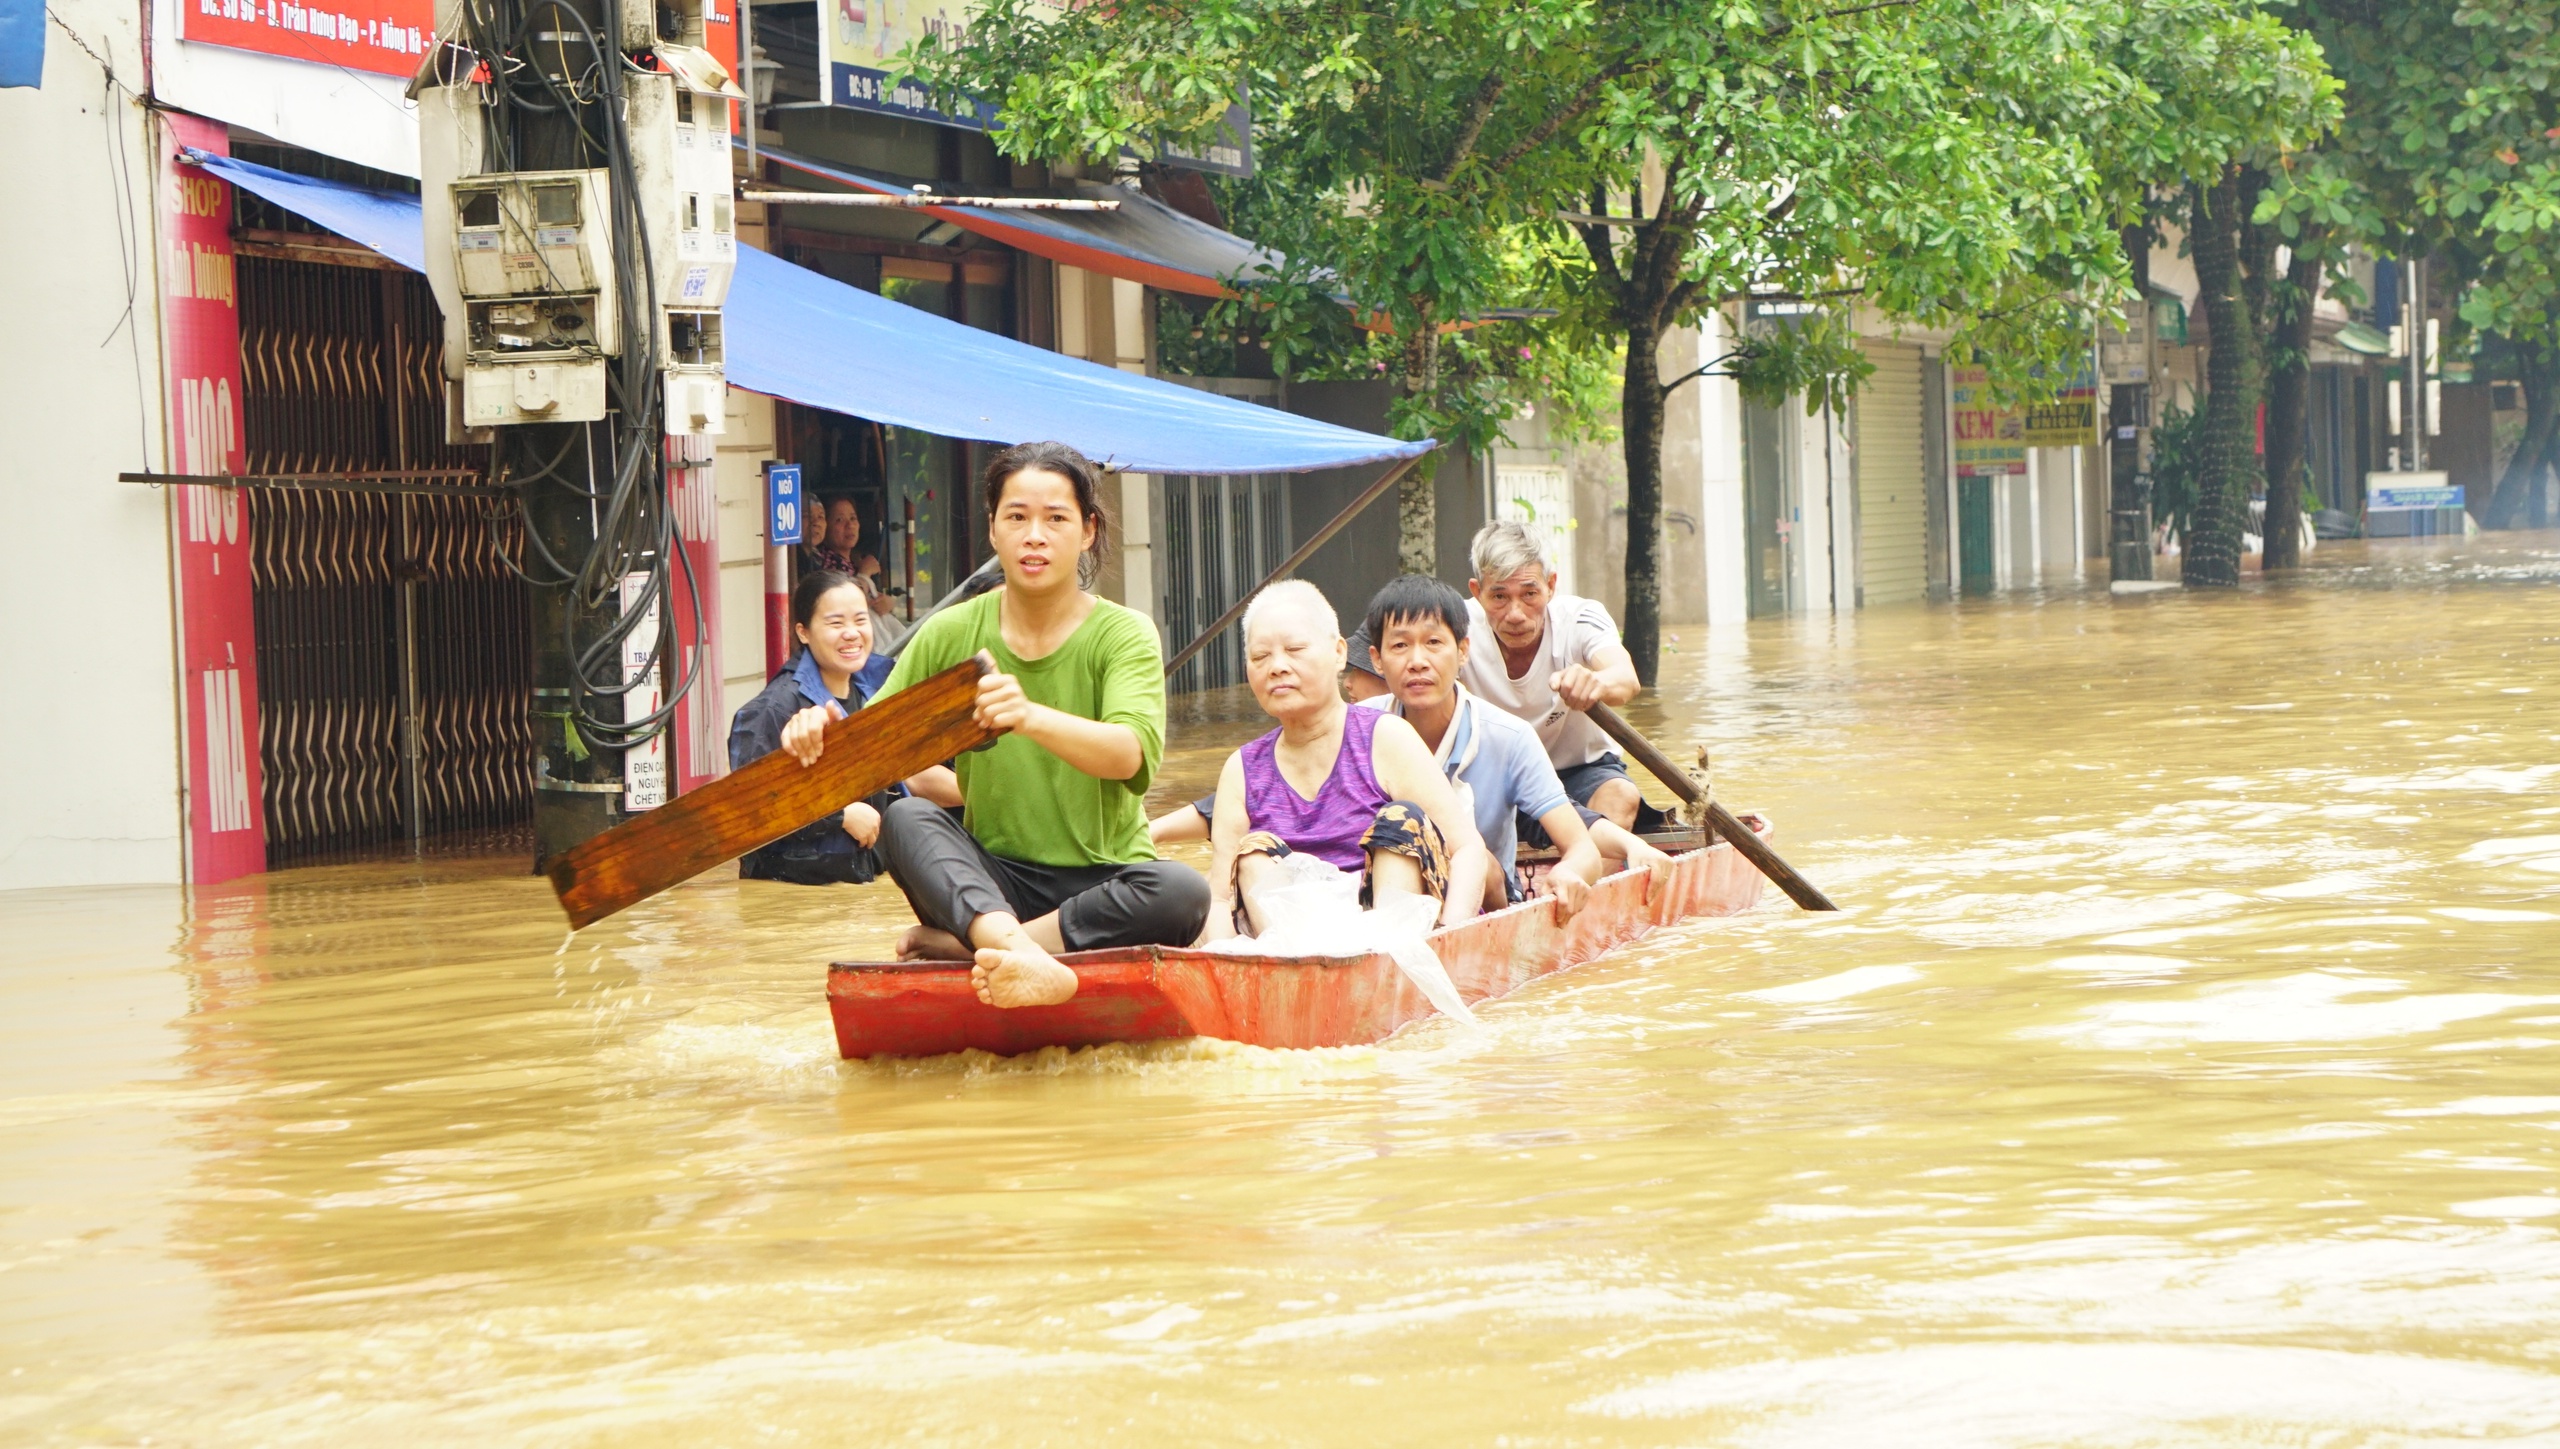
[(1418, 628)]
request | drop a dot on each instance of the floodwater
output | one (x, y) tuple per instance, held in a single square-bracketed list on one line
[(2180, 1072)]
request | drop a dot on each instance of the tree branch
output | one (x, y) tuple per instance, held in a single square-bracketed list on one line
[(1863, 9), (1747, 295), (1480, 112), (1712, 369), (1604, 253), (1555, 121)]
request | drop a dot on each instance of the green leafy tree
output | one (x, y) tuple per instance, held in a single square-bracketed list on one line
[(1922, 160), (2450, 149), (1400, 147), (1955, 163), (2224, 93)]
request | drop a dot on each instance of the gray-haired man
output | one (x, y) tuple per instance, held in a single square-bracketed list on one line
[(1545, 657)]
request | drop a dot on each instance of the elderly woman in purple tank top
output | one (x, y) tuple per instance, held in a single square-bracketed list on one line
[(1355, 788)]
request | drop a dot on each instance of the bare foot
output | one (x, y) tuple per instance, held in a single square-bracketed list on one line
[(924, 943), (1021, 978)]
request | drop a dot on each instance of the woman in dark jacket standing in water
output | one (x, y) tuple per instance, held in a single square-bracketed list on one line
[(834, 674)]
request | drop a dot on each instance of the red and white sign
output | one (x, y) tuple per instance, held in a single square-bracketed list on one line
[(387, 37), (701, 725), (217, 641)]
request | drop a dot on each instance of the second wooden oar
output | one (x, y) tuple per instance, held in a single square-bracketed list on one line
[(866, 752), (1803, 892)]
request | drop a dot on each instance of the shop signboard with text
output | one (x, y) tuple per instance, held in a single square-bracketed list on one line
[(858, 46), (859, 42), (1990, 440), (2069, 419), (693, 594), (209, 536), (386, 37)]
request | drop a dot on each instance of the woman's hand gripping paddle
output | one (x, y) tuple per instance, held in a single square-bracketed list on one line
[(1803, 892), (866, 752)]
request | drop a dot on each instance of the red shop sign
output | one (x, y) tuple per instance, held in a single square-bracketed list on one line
[(387, 37), (217, 640)]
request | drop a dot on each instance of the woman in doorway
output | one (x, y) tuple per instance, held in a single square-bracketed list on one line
[(1051, 854), (833, 674), (836, 545)]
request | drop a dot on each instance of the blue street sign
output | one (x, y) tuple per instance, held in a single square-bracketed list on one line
[(782, 503)]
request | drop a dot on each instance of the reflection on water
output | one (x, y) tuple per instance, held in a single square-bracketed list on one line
[(2180, 1073)]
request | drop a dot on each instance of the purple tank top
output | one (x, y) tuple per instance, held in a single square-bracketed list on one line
[(1328, 827)]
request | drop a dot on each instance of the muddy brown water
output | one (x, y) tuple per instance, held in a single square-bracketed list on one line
[(2181, 1072)]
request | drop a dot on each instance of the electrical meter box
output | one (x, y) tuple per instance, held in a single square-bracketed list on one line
[(696, 372), (522, 267), (523, 263), (496, 395), (533, 260), (523, 233), (679, 121), (680, 164), (653, 24)]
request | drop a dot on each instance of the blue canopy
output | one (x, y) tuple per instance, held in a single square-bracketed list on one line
[(796, 334), (22, 43)]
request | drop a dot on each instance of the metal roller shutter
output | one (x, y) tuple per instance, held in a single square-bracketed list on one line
[(1893, 520)]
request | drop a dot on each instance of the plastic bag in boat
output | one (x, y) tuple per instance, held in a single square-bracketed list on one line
[(1314, 910)]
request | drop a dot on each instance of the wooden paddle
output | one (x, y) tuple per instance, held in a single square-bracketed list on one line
[(1803, 892), (866, 752)]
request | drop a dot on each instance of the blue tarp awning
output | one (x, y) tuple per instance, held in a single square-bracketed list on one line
[(22, 43), (796, 334)]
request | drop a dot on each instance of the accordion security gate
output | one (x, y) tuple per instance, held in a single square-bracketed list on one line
[(1217, 538), (394, 660)]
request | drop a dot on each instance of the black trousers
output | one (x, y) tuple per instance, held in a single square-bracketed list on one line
[(951, 880)]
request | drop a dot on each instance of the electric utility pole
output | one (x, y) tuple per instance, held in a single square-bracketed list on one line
[(580, 238)]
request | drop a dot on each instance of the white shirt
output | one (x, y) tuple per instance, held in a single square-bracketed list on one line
[(1577, 631)]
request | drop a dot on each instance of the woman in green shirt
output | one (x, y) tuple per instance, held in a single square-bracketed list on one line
[(1052, 853)]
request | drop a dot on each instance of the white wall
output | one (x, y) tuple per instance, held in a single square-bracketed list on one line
[(1107, 320), (2058, 507), (738, 476), (1722, 548), (88, 720), (1827, 557)]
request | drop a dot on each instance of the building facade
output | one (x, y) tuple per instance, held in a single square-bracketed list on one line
[(247, 677)]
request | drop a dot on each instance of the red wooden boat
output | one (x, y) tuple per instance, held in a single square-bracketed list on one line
[(1146, 993)]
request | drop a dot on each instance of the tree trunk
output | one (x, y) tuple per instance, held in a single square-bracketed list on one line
[(1417, 501), (1640, 411), (2539, 376), (1418, 519), (2228, 446), (2289, 401)]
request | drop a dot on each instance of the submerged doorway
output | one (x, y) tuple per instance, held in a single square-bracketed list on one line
[(1974, 535)]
